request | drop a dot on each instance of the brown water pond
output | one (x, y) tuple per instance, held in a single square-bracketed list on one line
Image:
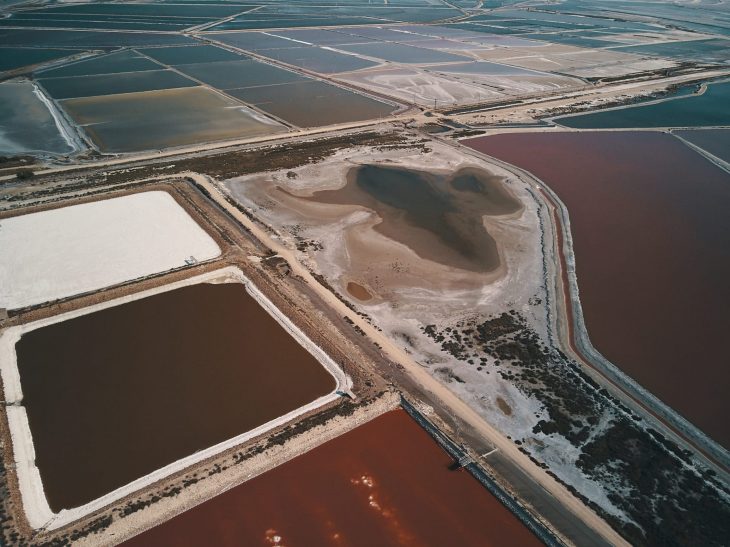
[(385, 483), (651, 233), (358, 291), (113, 395)]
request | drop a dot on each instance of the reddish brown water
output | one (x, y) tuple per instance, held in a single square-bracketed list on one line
[(358, 291), (385, 483), (650, 221), (116, 394)]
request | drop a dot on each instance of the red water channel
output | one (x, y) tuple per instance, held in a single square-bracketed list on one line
[(385, 483), (650, 221)]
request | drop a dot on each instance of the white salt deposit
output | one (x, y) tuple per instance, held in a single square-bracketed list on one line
[(73, 250)]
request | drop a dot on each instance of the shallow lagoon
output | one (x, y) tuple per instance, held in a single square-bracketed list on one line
[(440, 217)]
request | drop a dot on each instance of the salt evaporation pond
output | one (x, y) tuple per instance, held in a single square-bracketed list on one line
[(110, 84), (129, 122), (118, 393), (26, 122), (313, 103), (73, 250), (712, 108), (113, 63), (385, 483), (651, 235), (713, 141), (13, 57)]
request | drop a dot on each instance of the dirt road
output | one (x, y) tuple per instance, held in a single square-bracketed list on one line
[(426, 381)]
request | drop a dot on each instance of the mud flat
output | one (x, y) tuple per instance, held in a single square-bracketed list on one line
[(101, 418), (649, 225), (438, 217), (72, 250), (397, 224), (385, 483), (490, 338)]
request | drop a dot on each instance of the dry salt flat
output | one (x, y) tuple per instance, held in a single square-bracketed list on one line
[(73, 250)]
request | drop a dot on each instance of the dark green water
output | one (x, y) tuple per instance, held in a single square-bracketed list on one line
[(712, 108), (12, 57)]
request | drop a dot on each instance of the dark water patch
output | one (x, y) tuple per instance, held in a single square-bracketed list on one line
[(714, 141), (439, 217), (132, 18), (110, 84), (385, 483), (712, 108), (13, 57), (113, 395), (317, 59), (123, 61), (39, 22), (651, 236), (88, 39), (241, 73), (185, 55), (208, 11)]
